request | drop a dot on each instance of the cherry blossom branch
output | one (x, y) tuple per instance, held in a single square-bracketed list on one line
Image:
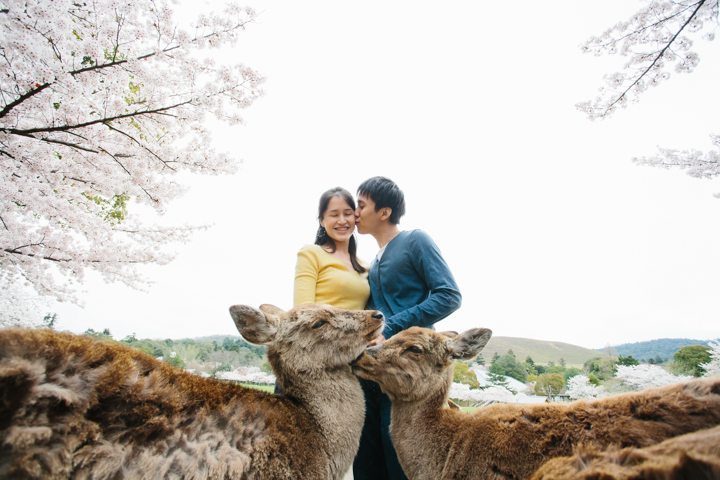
[(138, 143), (654, 24), (657, 57), (15, 251), (59, 142), (63, 128), (114, 63), (22, 98)]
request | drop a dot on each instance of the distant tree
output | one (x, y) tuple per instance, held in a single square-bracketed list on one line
[(571, 372), (580, 386), (627, 360), (463, 374), (657, 39), (712, 367), (646, 376), (601, 368), (656, 360), (499, 381), (530, 366), (689, 360), (102, 106), (49, 320), (509, 366), (549, 384), (104, 334), (132, 338), (175, 360)]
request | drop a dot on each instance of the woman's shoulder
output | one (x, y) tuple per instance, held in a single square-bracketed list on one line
[(311, 248), (310, 251)]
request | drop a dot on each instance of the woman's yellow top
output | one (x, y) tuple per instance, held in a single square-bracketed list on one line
[(321, 277)]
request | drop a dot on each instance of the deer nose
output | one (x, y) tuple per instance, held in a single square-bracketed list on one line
[(378, 316)]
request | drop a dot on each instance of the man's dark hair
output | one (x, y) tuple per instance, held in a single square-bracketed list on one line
[(385, 193)]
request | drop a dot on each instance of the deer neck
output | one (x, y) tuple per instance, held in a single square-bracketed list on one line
[(418, 435), (335, 401)]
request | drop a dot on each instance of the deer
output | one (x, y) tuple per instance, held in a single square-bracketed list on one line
[(414, 368), (76, 407), (695, 455)]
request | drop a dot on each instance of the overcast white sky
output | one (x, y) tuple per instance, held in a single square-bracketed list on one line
[(550, 229)]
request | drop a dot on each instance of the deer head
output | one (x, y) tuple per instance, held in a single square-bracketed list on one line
[(308, 337), (417, 363)]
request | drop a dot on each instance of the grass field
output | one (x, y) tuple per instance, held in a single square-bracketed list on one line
[(264, 388)]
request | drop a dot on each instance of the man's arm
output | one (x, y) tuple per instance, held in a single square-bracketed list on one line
[(444, 297)]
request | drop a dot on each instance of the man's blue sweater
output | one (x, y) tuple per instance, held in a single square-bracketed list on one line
[(411, 283)]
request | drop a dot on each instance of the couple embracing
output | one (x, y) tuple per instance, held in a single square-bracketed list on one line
[(409, 281)]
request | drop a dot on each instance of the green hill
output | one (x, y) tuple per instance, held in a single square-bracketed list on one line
[(662, 348), (541, 351)]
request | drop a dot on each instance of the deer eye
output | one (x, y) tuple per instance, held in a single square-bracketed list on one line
[(413, 349), (319, 323)]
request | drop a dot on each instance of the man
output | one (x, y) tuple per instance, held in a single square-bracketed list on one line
[(411, 284)]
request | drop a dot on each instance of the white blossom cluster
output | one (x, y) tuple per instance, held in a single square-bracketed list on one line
[(656, 40), (696, 163), (102, 103), (247, 374), (579, 387), (647, 376), (493, 394), (712, 368)]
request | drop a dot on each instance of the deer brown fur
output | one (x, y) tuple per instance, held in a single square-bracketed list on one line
[(414, 368), (74, 407), (693, 456)]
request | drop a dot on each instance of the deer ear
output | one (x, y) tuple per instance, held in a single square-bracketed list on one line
[(272, 311), (254, 325), (449, 333), (468, 344)]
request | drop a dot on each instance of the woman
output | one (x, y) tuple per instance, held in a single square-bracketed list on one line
[(329, 271)]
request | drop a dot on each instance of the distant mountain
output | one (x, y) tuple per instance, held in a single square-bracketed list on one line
[(663, 348), (541, 351)]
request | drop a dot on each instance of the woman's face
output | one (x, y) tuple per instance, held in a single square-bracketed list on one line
[(339, 220)]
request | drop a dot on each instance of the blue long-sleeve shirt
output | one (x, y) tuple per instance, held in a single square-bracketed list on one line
[(412, 284)]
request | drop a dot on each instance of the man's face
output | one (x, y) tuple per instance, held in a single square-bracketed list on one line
[(367, 219)]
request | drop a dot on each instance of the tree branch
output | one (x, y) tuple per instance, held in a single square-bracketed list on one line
[(111, 64), (22, 98), (66, 260), (140, 145), (116, 160), (59, 142), (64, 128), (656, 59)]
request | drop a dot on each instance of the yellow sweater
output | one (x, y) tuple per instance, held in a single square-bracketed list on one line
[(321, 277)]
